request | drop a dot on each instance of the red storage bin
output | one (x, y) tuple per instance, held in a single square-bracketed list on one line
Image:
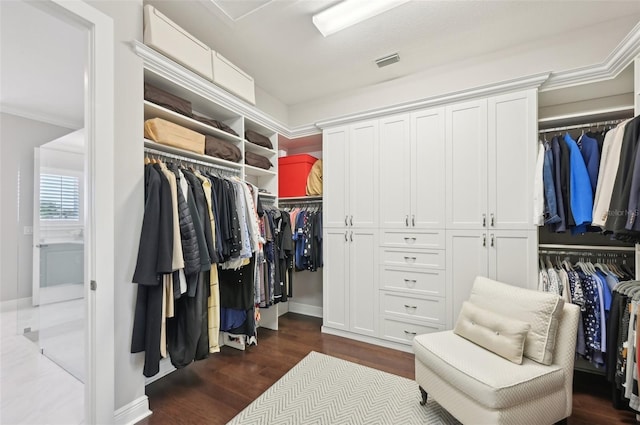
[(293, 171)]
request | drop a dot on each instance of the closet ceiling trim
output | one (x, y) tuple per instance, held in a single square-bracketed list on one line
[(516, 84), (616, 62)]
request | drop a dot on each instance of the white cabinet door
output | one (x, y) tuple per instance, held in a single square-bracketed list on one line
[(466, 165), (335, 144), (336, 278), (512, 155), (427, 169), (363, 174), (363, 296), (467, 257), (513, 257), (395, 172)]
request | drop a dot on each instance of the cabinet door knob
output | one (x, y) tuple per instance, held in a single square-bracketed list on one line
[(484, 240), (409, 333), (484, 220), (345, 237), (406, 220), (351, 236), (351, 220), (346, 220), (493, 242), (413, 220), (493, 220)]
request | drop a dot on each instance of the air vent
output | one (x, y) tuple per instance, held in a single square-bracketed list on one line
[(388, 60)]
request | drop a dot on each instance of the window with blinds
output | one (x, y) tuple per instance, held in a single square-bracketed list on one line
[(59, 197)]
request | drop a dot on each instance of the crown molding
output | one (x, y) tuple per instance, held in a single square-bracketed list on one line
[(41, 117), (624, 54), (528, 82)]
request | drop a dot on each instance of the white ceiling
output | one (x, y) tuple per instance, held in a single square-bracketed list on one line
[(276, 42), (42, 65)]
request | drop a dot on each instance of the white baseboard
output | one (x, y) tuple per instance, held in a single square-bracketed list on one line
[(133, 412), (368, 339), (16, 304), (165, 368), (306, 309)]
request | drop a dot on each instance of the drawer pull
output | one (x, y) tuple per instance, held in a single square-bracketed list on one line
[(408, 240), (410, 281), (410, 306), (409, 333), (410, 258)]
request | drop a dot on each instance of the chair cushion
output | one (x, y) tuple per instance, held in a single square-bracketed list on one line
[(497, 333), (542, 310), (489, 379)]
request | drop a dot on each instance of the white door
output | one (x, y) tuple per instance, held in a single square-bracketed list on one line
[(363, 174), (335, 289), (335, 157), (467, 257), (466, 138), (363, 295), (512, 156), (513, 257), (395, 172), (428, 169)]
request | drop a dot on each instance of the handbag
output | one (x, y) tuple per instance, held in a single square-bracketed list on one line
[(258, 139), (221, 149)]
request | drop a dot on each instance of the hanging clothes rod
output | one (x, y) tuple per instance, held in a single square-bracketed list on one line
[(587, 248), (608, 254), (586, 125), (190, 160), (299, 199)]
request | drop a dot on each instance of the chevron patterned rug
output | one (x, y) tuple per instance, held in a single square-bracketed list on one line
[(324, 390)]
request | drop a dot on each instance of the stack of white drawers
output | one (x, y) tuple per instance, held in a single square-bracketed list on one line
[(412, 284)]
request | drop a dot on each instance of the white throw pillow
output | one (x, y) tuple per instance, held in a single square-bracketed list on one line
[(499, 334), (541, 310)]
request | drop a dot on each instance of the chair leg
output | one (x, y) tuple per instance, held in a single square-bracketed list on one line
[(423, 393)]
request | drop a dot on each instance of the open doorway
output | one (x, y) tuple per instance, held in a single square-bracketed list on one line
[(56, 118)]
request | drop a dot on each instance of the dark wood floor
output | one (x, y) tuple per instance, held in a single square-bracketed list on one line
[(214, 390)]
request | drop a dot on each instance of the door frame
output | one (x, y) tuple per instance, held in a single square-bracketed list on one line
[(98, 203)]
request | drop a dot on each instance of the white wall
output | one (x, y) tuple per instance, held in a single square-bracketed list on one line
[(272, 106), (18, 138), (129, 193), (307, 293), (580, 48)]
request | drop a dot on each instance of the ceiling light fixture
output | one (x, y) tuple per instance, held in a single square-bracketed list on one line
[(351, 12)]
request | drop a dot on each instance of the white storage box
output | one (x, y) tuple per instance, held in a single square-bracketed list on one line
[(167, 37), (232, 78)]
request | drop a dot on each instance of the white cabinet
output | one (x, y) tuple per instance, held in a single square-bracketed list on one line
[(467, 169), (335, 290), (513, 124), (335, 188), (505, 255), (412, 153), (490, 159), (350, 299), (350, 175)]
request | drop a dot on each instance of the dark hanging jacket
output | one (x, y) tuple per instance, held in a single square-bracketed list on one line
[(152, 261)]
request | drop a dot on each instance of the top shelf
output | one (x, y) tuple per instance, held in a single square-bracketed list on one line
[(151, 110)]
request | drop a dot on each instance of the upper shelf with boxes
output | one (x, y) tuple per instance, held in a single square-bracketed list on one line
[(183, 110), (167, 37)]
